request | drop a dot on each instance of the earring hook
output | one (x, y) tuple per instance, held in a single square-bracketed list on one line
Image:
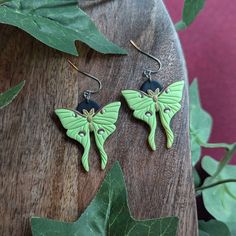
[(148, 72), (87, 93)]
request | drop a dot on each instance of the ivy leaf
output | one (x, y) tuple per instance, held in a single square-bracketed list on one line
[(200, 123), (107, 214), (220, 201), (202, 233), (190, 12), (213, 228), (196, 177), (8, 96), (57, 23)]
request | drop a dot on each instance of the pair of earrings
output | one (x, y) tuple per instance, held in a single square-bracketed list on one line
[(145, 103)]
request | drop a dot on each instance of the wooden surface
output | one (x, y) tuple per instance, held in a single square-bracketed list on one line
[(40, 169)]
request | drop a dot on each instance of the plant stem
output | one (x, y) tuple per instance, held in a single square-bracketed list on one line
[(215, 184), (230, 148), (211, 145), (216, 145), (225, 160)]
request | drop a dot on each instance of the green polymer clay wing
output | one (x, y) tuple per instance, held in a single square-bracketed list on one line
[(144, 109), (78, 129), (103, 127), (169, 105)]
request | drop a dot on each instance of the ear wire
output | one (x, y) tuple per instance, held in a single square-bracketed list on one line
[(150, 56), (87, 93)]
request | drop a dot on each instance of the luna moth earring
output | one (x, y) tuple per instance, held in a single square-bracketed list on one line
[(89, 117), (152, 98)]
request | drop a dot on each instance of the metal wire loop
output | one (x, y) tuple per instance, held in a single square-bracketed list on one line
[(148, 73), (87, 95)]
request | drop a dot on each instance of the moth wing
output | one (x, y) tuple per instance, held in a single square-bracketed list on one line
[(103, 123), (137, 100), (172, 94), (70, 119), (78, 129), (141, 104), (148, 115), (168, 103)]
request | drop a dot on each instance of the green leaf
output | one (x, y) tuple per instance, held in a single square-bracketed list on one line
[(213, 228), (8, 96), (180, 25), (200, 123), (108, 214), (57, 23), (196, 178), (220, 201), (202, 233), (200, 127), (191, 9)]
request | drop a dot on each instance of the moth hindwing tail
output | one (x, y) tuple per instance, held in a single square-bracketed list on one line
[(169, 105), (104, 125), (78, 129)]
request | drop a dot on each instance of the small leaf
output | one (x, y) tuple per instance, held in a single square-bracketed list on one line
[(213, 228), (202, 233), (57, 23), (200, 123), (107, 215), (180, 25), (200, 126), (196, 178), (190, 12), (220, 201), (8, 96)]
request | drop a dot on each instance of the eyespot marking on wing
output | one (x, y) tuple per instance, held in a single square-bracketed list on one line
[(81, 133), (148, 113)]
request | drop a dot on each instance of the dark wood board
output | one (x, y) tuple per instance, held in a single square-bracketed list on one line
[(40, 168)]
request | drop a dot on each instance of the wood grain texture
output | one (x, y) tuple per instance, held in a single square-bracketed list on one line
[(40, 168)]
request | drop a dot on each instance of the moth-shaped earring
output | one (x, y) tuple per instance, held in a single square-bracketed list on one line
[(89, 117), (152, 98)]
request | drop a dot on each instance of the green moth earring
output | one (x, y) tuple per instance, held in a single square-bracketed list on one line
[(153, 98), (89, 117)]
